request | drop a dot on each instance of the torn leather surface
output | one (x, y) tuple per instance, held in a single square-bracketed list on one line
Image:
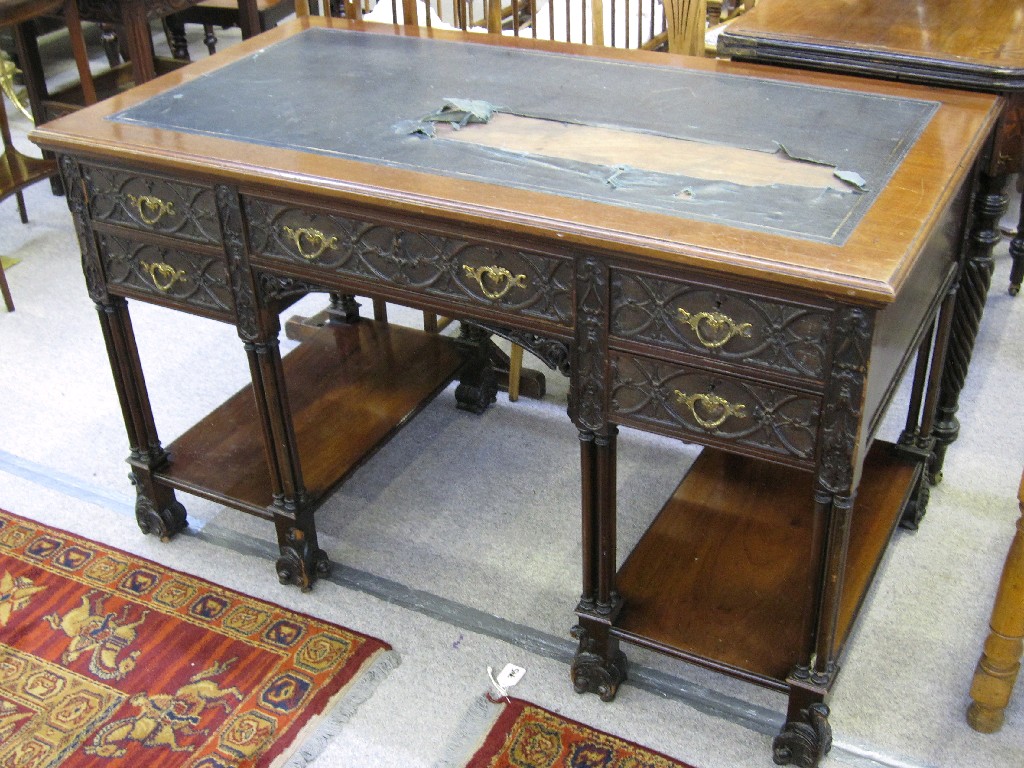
[(345, 93)]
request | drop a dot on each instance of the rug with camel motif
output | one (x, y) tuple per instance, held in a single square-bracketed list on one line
[(108, 659)]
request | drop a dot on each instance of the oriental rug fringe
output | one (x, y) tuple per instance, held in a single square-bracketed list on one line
[(522, 734), (108, 659)]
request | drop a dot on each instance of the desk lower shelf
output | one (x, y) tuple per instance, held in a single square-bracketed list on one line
[(721, 578), (350, 388)]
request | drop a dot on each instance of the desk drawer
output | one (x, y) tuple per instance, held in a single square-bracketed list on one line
[(504, 279), (153, 204), (727, 325), (185, 279), (714, 409)]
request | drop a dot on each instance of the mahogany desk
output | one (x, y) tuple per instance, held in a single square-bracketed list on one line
[(689, 271), (936, 42)]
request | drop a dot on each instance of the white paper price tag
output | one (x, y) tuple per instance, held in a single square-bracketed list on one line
[(509, 676)]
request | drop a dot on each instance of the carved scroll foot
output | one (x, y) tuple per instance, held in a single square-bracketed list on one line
[(476, 393), (915, 510), (917, 504), (805, 741), (301, 563), (164, 518), (591, 672)]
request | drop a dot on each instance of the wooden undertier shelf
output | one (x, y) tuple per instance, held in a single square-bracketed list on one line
[(721, 577), (350, 388)]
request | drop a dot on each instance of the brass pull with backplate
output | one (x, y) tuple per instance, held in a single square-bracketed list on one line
[(317, 241), (151, 208), (718, 409), (164, 276), (716, 321), (500, 278)]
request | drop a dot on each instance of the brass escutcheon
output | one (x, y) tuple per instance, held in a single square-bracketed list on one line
[(314, 238), (163, 275), (711, 404), (499, 276), (716, 321), (151, 208)]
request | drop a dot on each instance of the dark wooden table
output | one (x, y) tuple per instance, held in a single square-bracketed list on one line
[(694, 278), (930, 42)]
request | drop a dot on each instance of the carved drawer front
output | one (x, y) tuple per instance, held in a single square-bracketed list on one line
[(185, 278), (153, 204), (730, 326), (706, 407), (499, 277)]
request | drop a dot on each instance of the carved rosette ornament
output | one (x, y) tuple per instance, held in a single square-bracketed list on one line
[(591, 672)]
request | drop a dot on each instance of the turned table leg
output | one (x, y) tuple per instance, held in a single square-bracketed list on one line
[(1000, 661)]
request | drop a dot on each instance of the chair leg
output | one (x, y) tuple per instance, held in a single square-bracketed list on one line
[(209, 38), (22, 212), (5, 289), (177, 41), (999, 664), (81, 54), (515, 371)]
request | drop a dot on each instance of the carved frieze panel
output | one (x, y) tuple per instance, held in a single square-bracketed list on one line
[(695, 404), (588, 361), (845, 401), (729, 326), (190, 279), (92, 268), (503, 278), (242, 289), (152, 204)]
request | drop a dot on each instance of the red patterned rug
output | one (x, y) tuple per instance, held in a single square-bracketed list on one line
[(526, 735), (107, 659)]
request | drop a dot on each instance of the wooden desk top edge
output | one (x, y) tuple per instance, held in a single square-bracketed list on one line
[(881, 249), (927, 42)]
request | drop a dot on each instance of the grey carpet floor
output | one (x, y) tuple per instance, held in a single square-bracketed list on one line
[(458, 542)]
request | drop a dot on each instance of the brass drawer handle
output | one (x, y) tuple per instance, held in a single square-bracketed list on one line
[(718, 408), (150, 208), (163, 275), (316, 241), (499, 277), (717, 322)]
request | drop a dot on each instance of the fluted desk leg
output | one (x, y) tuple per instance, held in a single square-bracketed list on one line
[(1000, 661)]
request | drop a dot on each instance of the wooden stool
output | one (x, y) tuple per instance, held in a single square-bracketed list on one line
[(17, 171), (1000, 661)]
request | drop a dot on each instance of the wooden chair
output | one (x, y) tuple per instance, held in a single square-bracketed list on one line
[(999, 664), (673, 25), (223, 14), (18, 171)]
